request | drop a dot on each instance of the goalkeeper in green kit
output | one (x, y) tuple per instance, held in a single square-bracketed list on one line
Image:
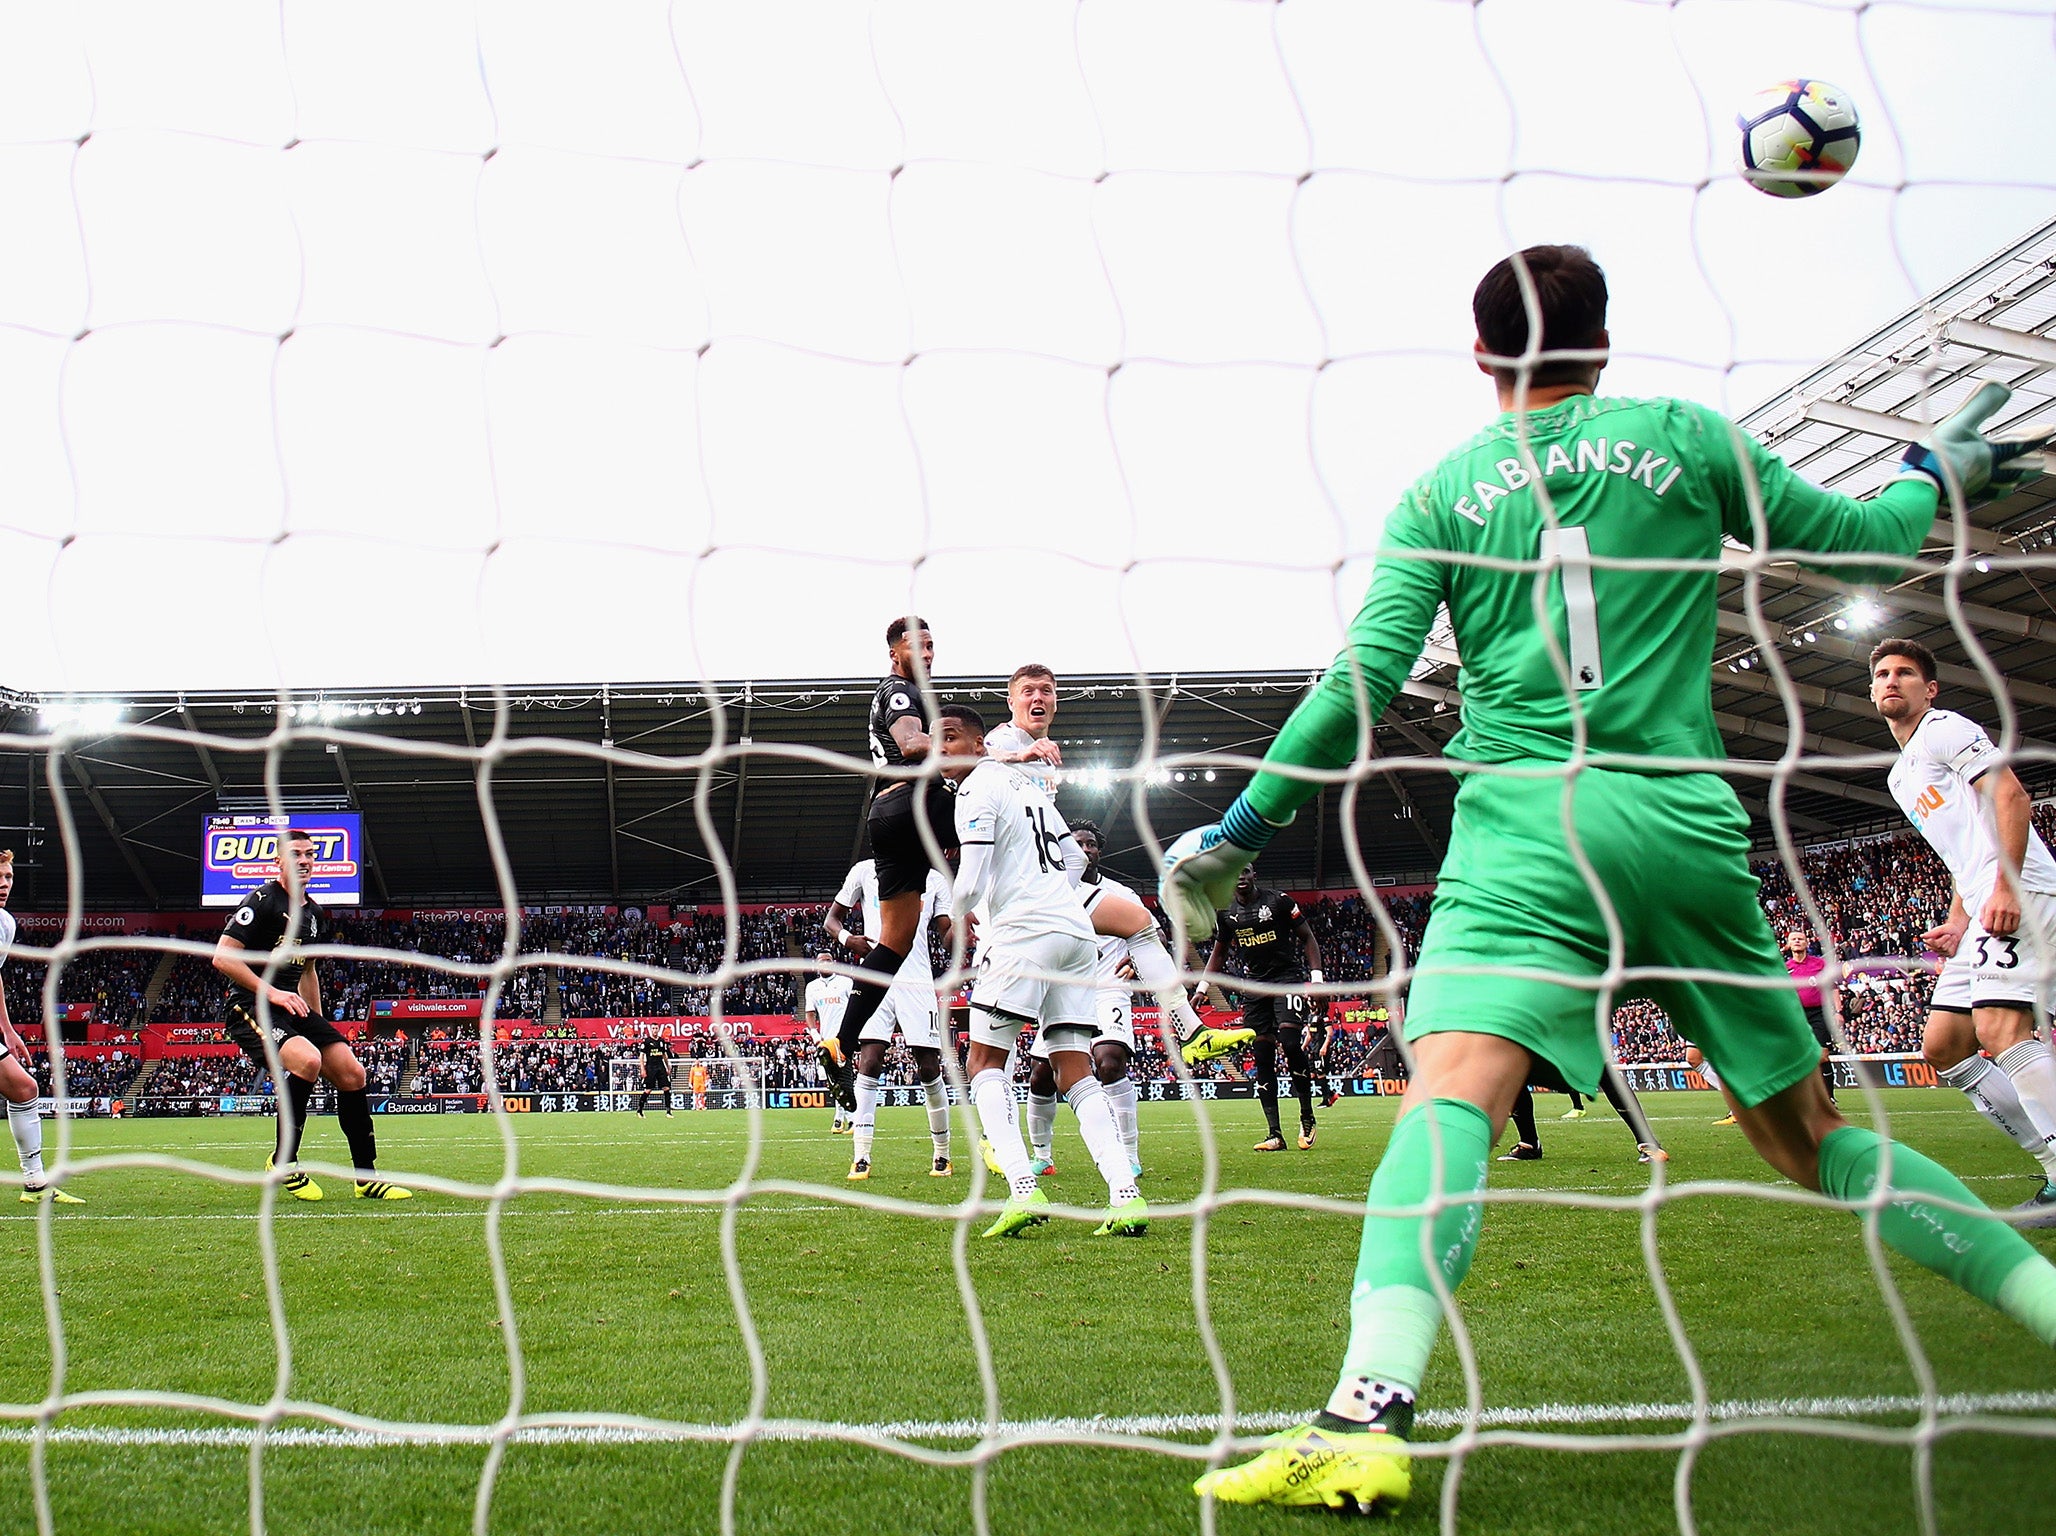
[(1623, 653)]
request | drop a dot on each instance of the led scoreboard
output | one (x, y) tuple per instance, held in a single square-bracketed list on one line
[(240, 853)]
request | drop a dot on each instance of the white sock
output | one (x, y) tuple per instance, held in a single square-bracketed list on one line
[(1991, 1092), (867, 1117), (2033, 1072), (1121, 1100), (1712, 1077), (26, 1122), (1042, 1123), (993, 1097), (1096, 1125), (937, 1093), (1157, 971)]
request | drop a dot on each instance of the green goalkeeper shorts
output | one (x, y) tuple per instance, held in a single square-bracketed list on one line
[(1672, 852)]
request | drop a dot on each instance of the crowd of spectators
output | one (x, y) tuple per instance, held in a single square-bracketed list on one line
[(112, 980), (181, 1077), (87, 1078)]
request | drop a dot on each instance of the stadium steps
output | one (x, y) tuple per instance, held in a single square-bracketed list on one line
[(553, 998), (141, 1085), (159, 979), (411, 1067)]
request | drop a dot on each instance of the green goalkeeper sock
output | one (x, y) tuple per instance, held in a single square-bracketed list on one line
[(1393, 1312), (1979, 1252)]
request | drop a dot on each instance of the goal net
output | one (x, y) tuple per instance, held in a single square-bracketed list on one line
[(497, 437)]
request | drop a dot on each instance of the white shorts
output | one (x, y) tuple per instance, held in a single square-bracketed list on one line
[(1116, 1023), (1050, 981), (2002, 972), (911, 1007)]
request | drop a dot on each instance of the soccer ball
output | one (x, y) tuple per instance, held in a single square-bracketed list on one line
[(1798, 138)]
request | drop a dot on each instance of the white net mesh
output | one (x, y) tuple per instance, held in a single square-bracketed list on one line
[(535, 342)]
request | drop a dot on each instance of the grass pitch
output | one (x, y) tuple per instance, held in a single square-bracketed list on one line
[(622, 1306)]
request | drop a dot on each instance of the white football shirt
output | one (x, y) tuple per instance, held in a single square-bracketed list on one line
[(1009, 737), (1029, 891), (860, 892), (827, 996), (6, 934), (1935, 781)]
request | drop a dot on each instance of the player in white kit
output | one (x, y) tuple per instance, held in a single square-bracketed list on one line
[(1024, 743), (1038, 960), (2000, 934), (909, 1007), (1113, 1053), (17, 1082), (826, 996)]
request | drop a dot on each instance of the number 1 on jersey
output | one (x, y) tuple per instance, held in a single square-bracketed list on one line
[(1572, 551)]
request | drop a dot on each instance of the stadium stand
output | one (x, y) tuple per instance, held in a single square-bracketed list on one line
[(1877, 896)]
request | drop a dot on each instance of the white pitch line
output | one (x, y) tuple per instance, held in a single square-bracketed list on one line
[(1538, 1416)]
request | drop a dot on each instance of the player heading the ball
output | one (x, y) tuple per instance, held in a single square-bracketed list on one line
[(911, 823), (1603, 669)]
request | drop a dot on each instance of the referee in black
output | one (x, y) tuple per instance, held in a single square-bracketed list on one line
[(1273, 942), (309, 1047), (898, 737), (656, 1075)]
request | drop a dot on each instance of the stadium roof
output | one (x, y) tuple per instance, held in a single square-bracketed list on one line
[(582, 825)]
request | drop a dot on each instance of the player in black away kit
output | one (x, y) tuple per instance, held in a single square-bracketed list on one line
[(309, 1047), (656, 1075), (897, 734), (1273, 942)]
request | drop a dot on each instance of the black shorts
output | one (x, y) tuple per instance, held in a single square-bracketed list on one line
[(897, 850), (1817, 1021), (652, 1084), (243, 1029), (1266, 1012)]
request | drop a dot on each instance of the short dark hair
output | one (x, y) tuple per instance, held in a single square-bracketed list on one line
[(1570, 292), (297, 835), (1031, 669), (897, 629), (1912, 650), (1082, 825), (965, 713)]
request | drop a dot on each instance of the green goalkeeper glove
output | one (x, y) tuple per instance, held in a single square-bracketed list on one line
[(1982, 465), (1202, 866)]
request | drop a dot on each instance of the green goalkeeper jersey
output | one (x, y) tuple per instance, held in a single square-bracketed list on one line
[(1626, 479)]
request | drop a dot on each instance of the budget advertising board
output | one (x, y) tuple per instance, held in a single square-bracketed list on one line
[(240, 853)]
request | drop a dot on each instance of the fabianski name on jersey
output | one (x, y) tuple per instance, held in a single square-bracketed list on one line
[(1585, 456)]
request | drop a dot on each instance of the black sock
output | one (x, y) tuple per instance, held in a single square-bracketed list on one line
[(1524, 1118), (1267, 1080), (1827, 1075), (1623, 1099), (865, 997), (1577, 1099), (353, 1114), (292, 1118), (1303, 1087)]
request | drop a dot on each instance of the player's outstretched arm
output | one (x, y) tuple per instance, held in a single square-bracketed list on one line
[(1982, 465), (1799, 515), (1331, 726)]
